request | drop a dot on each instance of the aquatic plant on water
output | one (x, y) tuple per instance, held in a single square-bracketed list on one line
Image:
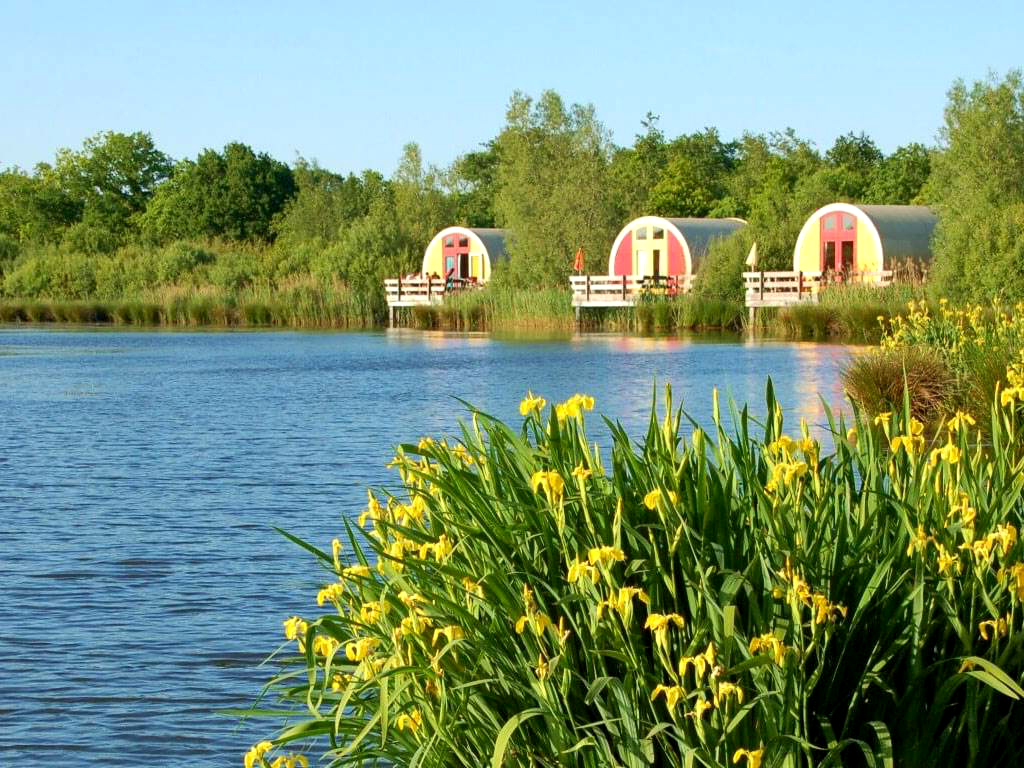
[(735, 595)]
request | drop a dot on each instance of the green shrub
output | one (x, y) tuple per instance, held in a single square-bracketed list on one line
[(720, 276)]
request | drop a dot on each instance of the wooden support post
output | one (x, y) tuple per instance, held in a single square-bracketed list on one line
[(760, 294), (399, 287), (578, 315), (623, 288), (800, 285), (751, 316), (430, 284), (588, 293)]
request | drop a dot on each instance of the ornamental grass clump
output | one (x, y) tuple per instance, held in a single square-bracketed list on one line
[(950, 359), (717, 598)]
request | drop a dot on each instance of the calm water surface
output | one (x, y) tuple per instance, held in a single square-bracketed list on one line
[(140, 474)]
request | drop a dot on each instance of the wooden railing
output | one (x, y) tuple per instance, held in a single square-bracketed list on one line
[(780, 289), (623, 290), (418, 291)]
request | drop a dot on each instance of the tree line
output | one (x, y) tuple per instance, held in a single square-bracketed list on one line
[(118, 216)]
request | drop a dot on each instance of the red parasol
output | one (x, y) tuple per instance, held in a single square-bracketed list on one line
[(578, 263)]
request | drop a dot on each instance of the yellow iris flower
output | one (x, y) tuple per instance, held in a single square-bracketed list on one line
[(255, 755), (605, 555), (411, 721), (999, 627), (581, 472), (360, 649), (752, 756), (532, 404), (332, 593), (727, 689), (579, 570), (290, 761), (653, 497), (769, 644), (573, 407), (550, 482), (701, 663), (672, 694)]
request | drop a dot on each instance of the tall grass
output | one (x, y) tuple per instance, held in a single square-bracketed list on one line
[(688, 312), (849, 311), (728, 596), (294, 303), (499, 308)]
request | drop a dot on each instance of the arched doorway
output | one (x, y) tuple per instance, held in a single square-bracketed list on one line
[(839, 242), (455, 254)]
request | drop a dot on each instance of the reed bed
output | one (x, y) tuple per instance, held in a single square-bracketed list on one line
[(297, 303), (495, 308), (844, 311), (729, 596), (687, 313)]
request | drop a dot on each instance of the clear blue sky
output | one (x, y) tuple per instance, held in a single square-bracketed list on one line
[(348, 83)]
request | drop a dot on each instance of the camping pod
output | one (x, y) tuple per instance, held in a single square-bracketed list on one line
[(864, 238), (654, 246), (464, 253)]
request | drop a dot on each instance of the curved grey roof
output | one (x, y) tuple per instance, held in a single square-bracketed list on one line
[(700, 233), (493, 240), (905, 231)]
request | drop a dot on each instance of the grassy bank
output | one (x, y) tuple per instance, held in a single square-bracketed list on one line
[(737, 596), (226, 290)]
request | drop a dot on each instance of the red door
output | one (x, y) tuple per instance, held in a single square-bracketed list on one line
[(839, 242), (455, 252)]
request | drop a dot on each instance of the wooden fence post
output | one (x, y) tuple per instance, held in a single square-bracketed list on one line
[(800, 284), (588, 289), (399, 288), (623, 287), (760, 294)]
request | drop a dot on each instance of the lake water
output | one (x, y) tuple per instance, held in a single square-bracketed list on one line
[(141, 582)]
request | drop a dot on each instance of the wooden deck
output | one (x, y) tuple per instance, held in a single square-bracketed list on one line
[(594, 291), (784, 289), (421, 292), (413, 291)]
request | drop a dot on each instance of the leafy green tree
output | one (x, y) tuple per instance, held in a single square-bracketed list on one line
[(553, 188), (32, 210), (234, 194), (778, 179), (769, 165), (324, 204), (473, 180), (900, 177), (977, 187), (694, 180), (858, 155), (107, 183), (421, 206), (635, 171)]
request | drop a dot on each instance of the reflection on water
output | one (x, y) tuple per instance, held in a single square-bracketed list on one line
[(140, 475)]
